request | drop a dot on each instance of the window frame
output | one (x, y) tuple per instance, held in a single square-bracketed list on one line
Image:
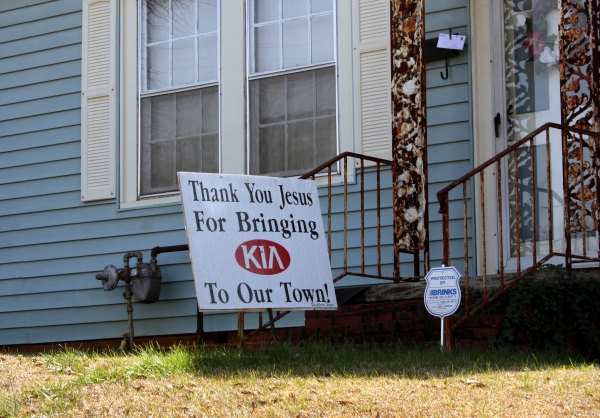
[(233, 139), (170, 90), (251, 76)]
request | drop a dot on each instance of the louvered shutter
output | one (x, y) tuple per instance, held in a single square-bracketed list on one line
[(372, 64), (98, 100)]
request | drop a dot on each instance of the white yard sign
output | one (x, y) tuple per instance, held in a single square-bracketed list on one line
[(442, 293), (256, 243)]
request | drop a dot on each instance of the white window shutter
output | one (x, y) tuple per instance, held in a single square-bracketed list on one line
[(98, 100), (372, 69)]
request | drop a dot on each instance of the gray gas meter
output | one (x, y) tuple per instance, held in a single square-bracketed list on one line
[(142, 283), (145, 282)]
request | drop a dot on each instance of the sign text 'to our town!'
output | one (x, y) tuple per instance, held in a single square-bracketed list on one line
[(253, 222)]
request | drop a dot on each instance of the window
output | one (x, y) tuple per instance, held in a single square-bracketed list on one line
[(183, 91), (292, 86), (179, 98)]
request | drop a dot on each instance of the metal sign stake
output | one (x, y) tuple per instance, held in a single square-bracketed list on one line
[(442, 336)]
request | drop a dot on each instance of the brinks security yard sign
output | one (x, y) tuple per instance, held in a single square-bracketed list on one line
[(442, 293), (256, 243)]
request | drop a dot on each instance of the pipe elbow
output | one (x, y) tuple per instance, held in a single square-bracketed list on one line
[(132, 254), (154, 253)]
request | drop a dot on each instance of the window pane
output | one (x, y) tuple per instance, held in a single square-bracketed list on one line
[(188, 55), (145, 120), (163, 170), (188, 113), (184, 62), (158, 66), (294, 8), (295, 43), (173, 128), (266, 10), (210, 110), (184, 18), (188, 155), (322, 39), (207, 16), (178, 131), (207, 58), (266, 48), (271, 99), (301, 146), (163, 117), (210, 153), (326, 143), (325, 91), (288, 134), (318, 6), (271, 149), (300, 95), (157, 23)]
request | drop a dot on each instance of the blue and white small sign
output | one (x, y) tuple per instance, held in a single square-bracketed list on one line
[(442, 294)]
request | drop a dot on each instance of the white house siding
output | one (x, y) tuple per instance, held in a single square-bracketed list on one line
[(52, 244)]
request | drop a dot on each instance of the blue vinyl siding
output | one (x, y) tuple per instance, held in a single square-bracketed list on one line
[(52, 244), (450, 155), (449, 130)]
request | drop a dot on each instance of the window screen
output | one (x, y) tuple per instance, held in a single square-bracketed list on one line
[(178, 91), (292, 122), (292, 86)]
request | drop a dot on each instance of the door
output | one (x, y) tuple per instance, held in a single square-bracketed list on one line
[(531, 97)]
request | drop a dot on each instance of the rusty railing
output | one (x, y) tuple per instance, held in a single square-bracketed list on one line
[(330, 169), (327, 171), (517, 193)]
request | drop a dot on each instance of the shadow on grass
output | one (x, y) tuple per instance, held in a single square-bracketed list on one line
[(316, 359)]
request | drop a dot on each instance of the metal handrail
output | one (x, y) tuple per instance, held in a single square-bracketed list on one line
[(312, 173), (343, 157), (444, 192), (443, 199)]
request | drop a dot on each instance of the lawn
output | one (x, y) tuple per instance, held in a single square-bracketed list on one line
[(289, 381)]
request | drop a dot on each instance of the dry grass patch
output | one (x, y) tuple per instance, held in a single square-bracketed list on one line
[(286, 381)]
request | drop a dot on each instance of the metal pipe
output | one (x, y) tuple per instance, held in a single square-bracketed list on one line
[(533, 199), (362, 214), (329, 211), (379, 220), (549, 193), (506, 152), (345, 215), (241, 328), (582, 194), (132, 254), (466, 248), (500, 227), (566, 198), (159, 250), (128, 293), (483, 237), (517, 209), (343, 156)]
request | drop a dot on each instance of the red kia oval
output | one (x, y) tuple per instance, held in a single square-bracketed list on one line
[(261, 256)]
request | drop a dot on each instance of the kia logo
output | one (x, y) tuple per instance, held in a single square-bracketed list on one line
[(260, 256)]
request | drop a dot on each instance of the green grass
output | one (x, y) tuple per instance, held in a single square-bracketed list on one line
[(288, 380), (288, 360)]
